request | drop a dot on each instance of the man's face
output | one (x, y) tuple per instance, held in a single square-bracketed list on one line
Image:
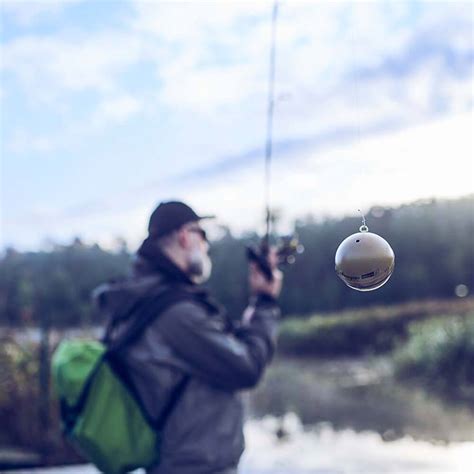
[(199, 263)]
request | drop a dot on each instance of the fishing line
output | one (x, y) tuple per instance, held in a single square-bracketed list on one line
[(364, 261)]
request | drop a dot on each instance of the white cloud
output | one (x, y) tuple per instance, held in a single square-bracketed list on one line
[(27, 13), (23, 142), (208, 55), (112, 110), (204, 62), (117, 109), (218, 55), (207, 89), (52, 66), (193, 22), (430, 160)]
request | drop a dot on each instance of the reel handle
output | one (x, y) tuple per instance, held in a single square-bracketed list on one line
[(287, 249)]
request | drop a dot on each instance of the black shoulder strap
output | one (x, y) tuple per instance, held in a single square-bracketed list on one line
[(144, 312), (149, 309)]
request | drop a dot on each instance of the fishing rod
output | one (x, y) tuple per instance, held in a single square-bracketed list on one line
[(287, 246)]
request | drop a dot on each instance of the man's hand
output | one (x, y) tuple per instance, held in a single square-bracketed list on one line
[(259, 283)]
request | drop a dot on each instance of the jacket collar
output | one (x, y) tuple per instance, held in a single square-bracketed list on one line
[(151, 259)]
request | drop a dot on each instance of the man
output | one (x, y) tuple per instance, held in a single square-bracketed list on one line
[(192, 340)]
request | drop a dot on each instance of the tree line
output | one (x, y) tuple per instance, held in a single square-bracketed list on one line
[(432, 241)]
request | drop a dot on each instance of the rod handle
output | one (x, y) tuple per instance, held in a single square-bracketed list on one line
[(254, 254)]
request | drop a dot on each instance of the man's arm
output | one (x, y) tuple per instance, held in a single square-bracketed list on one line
[(229, 361)]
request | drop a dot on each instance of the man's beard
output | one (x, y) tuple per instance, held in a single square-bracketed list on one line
[(199, 267)]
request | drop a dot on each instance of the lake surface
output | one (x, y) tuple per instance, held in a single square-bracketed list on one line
[(361, 395), (323, 450), (351, 416)]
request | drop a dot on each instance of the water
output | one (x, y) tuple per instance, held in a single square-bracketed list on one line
[(323, 450), (351, 416), (360, 395)]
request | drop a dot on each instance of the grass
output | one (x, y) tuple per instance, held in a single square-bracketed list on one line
[(440, 354), (19, 407), (372, 330)]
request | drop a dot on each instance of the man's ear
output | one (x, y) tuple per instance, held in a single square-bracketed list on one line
[(183, 239)]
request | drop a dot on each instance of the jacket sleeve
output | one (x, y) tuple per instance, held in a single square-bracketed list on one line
[(227, 360)]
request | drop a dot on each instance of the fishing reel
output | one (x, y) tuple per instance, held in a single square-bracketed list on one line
[(287, 248)]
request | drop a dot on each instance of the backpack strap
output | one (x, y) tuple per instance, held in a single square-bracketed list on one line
[(149, 308), (144, 311)]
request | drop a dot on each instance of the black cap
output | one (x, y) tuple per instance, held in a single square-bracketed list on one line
[(170, 216)]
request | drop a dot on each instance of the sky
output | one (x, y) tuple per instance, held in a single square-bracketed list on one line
[(109, 107)]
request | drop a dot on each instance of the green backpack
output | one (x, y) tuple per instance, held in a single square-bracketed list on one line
[(101, 413)]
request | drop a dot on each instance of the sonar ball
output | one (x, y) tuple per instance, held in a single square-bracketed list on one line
[(364, 261)]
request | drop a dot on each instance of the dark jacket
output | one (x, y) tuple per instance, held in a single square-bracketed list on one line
[(203, 434)]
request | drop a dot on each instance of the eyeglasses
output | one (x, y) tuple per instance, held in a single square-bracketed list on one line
[(199, 231)]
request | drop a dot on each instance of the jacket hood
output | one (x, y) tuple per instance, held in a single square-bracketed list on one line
[(116, 298), (151, 269)]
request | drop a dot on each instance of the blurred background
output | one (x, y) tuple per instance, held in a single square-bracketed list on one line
[(109, 107)]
